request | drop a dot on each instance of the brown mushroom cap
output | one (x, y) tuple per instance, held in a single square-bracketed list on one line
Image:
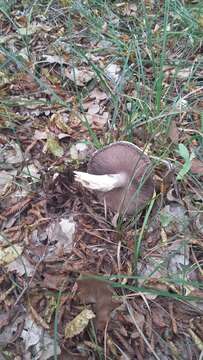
[(124, 157)]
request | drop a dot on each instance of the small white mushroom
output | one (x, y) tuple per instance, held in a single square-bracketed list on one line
[(121, 175)]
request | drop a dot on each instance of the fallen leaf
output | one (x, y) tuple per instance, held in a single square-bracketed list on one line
[(80, 76), (61, 235), (150, 270), (113, 72), (196, 327), (10, 253), (21, 202), (79, 323), (98, 95), (159, 318), (36, 316), (200, 20), (51, 59), (91, 104), (79, 151), (58, 120), (40, 135), (181, 105), (24, 54), (95, 119), (140, 321), (130, 9), (32, 172), (4, 319), (6, 178), (197, 166), (62, 136), (66, 3), (198, 223), (173, 132), (93, 109), (24, 83), (33, 28), (21, 266), (99, 293), (2, 58), (54, 147), (11, 154), (184, 74), (173, 218), (35, 336), (29, 30), (46, 349), (11, 332), (54, 282), (177, 261)]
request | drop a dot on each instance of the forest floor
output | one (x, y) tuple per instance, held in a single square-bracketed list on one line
[(75, 283)]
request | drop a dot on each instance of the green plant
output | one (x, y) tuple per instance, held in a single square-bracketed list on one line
[(187, 157)]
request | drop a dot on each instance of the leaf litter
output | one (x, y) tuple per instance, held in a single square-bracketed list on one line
[(52, 231)]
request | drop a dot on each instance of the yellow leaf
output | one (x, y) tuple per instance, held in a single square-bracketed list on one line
[(196, 339), (57, 119), (65, 3), (200, 20), (79, 323), (7, 255), (54, 147)]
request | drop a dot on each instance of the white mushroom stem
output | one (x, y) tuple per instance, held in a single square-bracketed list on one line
[(101, 182)]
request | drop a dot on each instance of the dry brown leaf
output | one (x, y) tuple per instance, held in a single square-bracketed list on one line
[(19, 206), (173, 132), (12, 331), (24, 83), (54, 282), (99, 293), (98, 95), (38, 318), (80, 76), (4, 319), (21, 266), (197, 166), (96, 120), (159, 318)]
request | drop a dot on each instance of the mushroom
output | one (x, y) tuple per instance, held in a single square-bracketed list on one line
[(121, 175)]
